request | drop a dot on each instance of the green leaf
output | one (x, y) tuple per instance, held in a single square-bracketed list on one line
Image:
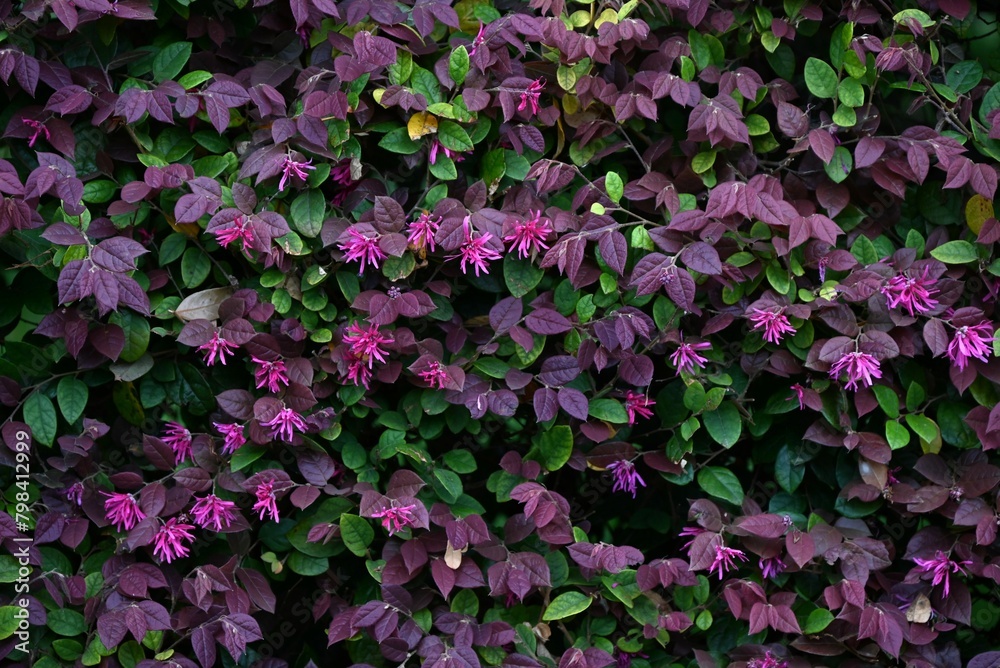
[(171, 59), (8, 622), (702, 162), (444, 168), (817, 621), (356, 533), (555, 447), (724, 425), (615, 186), (864, 251), (40, 416), (453, 136), (609, 410), (517, 166), (458, 65), (449, 485), (777, 276), (195, 78), (907, 15), (788, 473), (460, 461), (398, 141), (425, 83), (721, 483), (955, 252), (308, 211), (136, 330), (520, 276), (845, 117), (821, 79), (195, 267), (494, 166), (964, 76), (66, 622), (897, 435), (566, 605), (303, 564), (72, 395), (887, 400), (851, 93), (245, 456), (924, 427)]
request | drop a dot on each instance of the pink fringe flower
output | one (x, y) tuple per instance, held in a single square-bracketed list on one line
[(940, 568), (214, 513), (639, 404), (627, 479), (529, 98), (774, 323), (686, 358), (970, 342), (270, 374), (232, 437), (434, 375), (75, 493), (361, 248), (267, 503), (217, 349), (284, 424), (477, 41), (528, 236), (771, 567), (366, 343), (475, 251), (725, 560), (422, 231), (168, 543), (294, 168), (122, 510), (396, 518), (859, 367), (179, 439), (358, 372), (912, 294), (38, 129), (241, 230)]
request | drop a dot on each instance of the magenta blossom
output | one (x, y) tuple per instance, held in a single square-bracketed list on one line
[(232, 437), (690, 532), (217, 349), (179, 439), (686, 359), (75, 493), (475, 251), (970, 342), (342, 174), (362, 248), (168, 543), (800, 392), (284, 424), (396, 518), (627, 479), (367, 343), (291, 168), (122, 510), (213, 513), (769, 661), (241, 230), (912, 294), (358, 372), (528, 236), (859, 367), (529, 98), (270, 374), (940, 568), (771, 567), (38, 129), (774, 323), (477, 41), (637, 403), (436, 146), (435, 375), (725, 559), (267, 503), (422, 231)]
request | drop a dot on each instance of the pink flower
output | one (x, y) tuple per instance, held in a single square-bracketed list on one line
[(529, 98), (475, 251), (913, 294), (217, 349), (122, 510), (435, 375), (168, 543), (358, 372), (686, 359), (292, 167), (362, 248), (771, 567), (179, 440), (800, 392), (769, 661), (38, 129), (213, 513), (436, 146), (270, 374), (529, 235), (690, 532), (774, 323), (970, 342), (395, 518), (637, 404), (940, 568), (366, 343), (75, 493), (477, 41), (627, 479), (859, 367), (422, 231), (232, 437), (267, 503), (725, 559), (284, 424), (241, 230), (342, 174)]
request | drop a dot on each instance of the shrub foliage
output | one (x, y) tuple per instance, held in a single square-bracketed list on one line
[(568, 333)]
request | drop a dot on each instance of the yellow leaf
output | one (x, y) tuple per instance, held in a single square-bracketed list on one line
[(977, 210), (420, 124), (187, 229), (607, 16)]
